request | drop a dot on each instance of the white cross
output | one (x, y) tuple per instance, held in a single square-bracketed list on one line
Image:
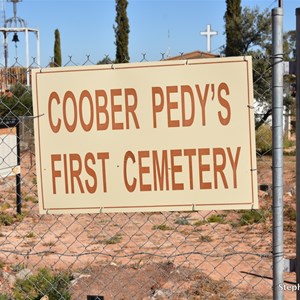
[(208, 34)]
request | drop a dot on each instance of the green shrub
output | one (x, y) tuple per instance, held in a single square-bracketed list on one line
[(205, 238), (264, 139), (250, 217), (18, 105), (6, 219), (30, 235), (34, 287), (216, 219), (200, 222), (161, 227), (290, 213), (182, 221), (287, 143), (5, 206), (4, 297), (117, 238), (2, 264)]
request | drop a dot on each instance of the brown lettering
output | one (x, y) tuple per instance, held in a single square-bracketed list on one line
[(202, 101), (55, 173), (75, 172), (160, 171), (156, 108), (143, 170), (234, 163), (224, 120), (54, 128), (91, 188), (190, 153), (70, 126), (130, 109), (171, 105), (186, 89), (203, 168), (129, 187), (175, 169), (219, 167), (86, 95), (103, 156), (115, 108), (101, 110)]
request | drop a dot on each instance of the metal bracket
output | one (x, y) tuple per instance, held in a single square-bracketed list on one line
[(289, 265)]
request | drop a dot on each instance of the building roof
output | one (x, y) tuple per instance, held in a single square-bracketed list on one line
[(193, 55)]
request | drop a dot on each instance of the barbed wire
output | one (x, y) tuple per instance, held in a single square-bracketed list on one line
[(142, 253)]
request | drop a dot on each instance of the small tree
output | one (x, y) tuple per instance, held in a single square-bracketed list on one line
[(121, 31), (233, 28), (246, 28), (17, 103), (257, 36), (57, 50), (255, 29), (44, 282)]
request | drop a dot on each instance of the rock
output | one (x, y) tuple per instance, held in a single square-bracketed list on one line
[(77, 276), (158, 294), (161, 294), (23, 274)]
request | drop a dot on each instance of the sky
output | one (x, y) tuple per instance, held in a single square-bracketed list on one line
[(157, 28)]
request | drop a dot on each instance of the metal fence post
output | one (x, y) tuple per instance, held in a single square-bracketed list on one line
[(277, 158), (18, 176), (298, 148)]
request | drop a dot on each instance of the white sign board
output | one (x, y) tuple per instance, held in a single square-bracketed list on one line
[(175, 135), (8, 152)]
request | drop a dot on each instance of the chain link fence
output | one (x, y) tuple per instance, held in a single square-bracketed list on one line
[(160, 255)]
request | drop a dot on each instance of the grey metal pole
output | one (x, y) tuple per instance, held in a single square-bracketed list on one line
[(298, 149), (38, 48), (27, 58), (277, 158), (18, 176)]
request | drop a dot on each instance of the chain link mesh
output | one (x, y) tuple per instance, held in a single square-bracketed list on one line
[(161, 255)]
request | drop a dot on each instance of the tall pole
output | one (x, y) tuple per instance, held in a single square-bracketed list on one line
[(18, 176), (5, 50), (277, 158), (298, 149), (27, 57), (38, 48)]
